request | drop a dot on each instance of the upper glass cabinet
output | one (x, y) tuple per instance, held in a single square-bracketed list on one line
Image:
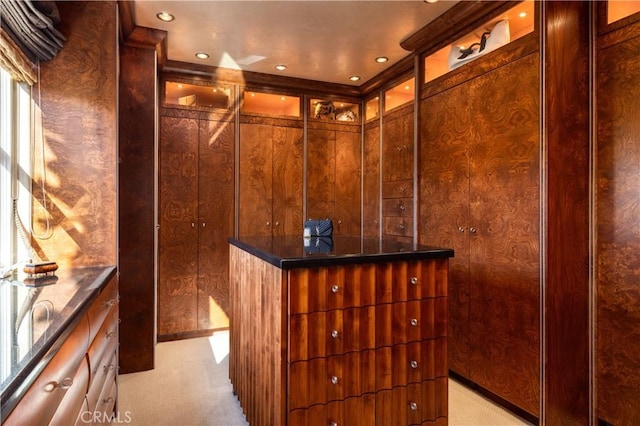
[(619, 9), (509, 26), (399, 94), (273, 104), (327, 109), (193, 95)]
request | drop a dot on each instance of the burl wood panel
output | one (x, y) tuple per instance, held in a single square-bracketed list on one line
[(256, 183), (288, 169), (136, 231), (568, 347), (371, 180), (445, 130), (479, 169), (397, 145), (79, 93), (256, 364), (348, 183), (504, 250), (216, 191), (178, 234), (321, 174), (618, 213)]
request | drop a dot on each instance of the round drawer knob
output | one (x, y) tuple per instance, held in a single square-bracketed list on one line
[(334, 380), (63, 384), (110, 334), (413, 406), (414, 280), (414, 364), (413, 322), (472, 230), (334, 288), (108, 400), (335, 334), (333, 424)]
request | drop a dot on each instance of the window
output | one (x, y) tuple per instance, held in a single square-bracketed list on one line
[(15, 171)]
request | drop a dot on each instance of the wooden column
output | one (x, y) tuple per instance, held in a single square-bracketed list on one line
[(566, 280), (136, 183)]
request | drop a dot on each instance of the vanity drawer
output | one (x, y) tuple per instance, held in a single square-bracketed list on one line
[(402, 207), (334, 332), (334, 378), (404, 281), (327, 288), (102, 305), (352, 411), (107, 401), (43, 397), (397, 189), (99, 374), (415, 404), (414, 362), (413, 321), (104, 342), (71, 405), (399, 226)]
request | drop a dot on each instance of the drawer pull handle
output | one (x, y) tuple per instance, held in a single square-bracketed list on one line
[(63, 384), (334, 288), (108, 367), (110, 334), (333, 424), (414, 280), (413, 406), (413, 322), (334, 380), (107, 400), (472, 230), (414, 364), (401, 207), (109, 303), (334, 334)]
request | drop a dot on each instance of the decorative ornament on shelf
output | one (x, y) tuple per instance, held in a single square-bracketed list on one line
[(489, 41)]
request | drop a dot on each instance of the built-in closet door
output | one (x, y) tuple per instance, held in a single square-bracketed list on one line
[(479, 194), (371, 180)]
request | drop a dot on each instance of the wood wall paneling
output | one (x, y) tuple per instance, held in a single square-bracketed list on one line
[(566, 282), (617, 358), (178, 217), (321, 166), (479, 174), (78, 99), (136, 182), (371, 180), (288, 164)]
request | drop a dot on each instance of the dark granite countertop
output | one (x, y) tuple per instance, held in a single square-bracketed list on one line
[(35, 320), (289, 252)]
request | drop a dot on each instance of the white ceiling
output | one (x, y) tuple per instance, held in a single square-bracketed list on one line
[(318, 40)]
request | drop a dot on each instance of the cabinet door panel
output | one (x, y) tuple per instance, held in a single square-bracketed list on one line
[(321, 168), (256, 187), (397, 142), (446, 128), (504, 250), (371, 181), (178, 245), (348, 182), (216, 221), (288, 159)]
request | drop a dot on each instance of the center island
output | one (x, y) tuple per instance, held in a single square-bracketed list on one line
[(338, 331)]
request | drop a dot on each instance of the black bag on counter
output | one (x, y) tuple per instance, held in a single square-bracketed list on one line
[(318, 245), (318, 228)]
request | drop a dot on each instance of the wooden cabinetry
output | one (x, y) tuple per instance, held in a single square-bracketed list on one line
[(271, 177), (334, 158), (364, 343), (617, 327), (78, 385), (479, 192), (397, 172), (371, 180), (196, 181)]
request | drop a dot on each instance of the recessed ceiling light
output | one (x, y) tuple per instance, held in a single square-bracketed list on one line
[(280, 67), (523, 14), (165, 16), (430, 1), (354, 78), (381, 59), (202, 55)]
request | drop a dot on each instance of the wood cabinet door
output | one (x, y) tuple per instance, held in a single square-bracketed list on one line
[(445, 132), (371, 181), (397, 145), (178, 234), (216, 186), (288, 164), (505, 232), (348, 181), (321, 168), (256, 183), (618, 240)]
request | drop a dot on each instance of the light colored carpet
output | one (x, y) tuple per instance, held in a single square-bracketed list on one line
[(190, 387)]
